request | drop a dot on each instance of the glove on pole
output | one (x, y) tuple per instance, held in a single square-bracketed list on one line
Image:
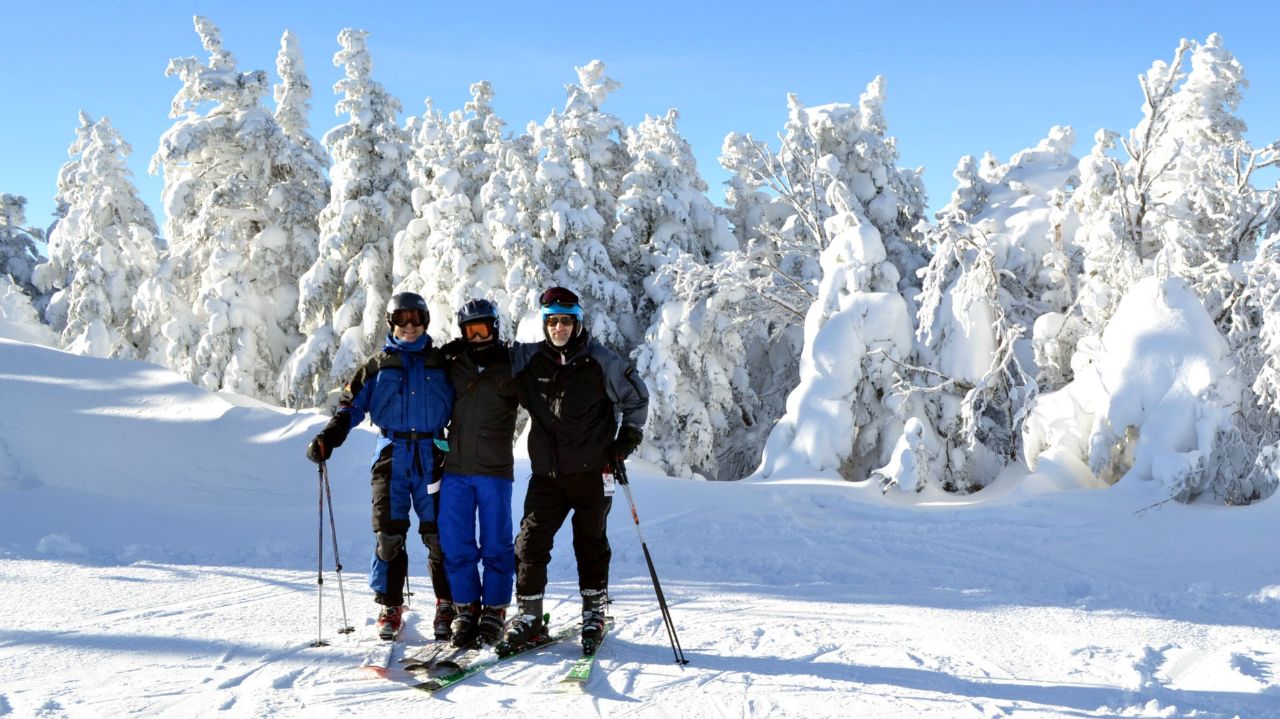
[(620, 472)]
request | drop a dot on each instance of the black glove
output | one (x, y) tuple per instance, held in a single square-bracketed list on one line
[(628, 439), (319, 450), (334, 434)]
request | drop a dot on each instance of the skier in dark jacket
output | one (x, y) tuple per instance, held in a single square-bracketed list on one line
[(478, 476), (404, 391), (575, 389)]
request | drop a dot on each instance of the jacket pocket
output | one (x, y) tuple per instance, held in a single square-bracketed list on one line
[(387, 409)]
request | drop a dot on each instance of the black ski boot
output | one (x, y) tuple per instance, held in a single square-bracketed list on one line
[(490, 625), (525, 628), (594, 604), (442, 624), (466, 625)]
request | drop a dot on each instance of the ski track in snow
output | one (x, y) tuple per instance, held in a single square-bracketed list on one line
[(211, 641)]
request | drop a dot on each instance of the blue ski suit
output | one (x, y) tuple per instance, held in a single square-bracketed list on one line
[(404, 391)]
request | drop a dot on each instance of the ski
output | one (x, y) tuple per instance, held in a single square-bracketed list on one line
[(424, 658), (484, 659), (580, 671), (380, 657)]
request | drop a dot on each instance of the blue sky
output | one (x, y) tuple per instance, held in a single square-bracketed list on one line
[(963, 78)]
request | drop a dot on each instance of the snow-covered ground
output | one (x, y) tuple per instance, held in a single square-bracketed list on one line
[(157, 558)]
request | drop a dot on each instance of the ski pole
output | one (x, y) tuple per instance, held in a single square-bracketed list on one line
[(320, 642), (620, 473), (337, 562)]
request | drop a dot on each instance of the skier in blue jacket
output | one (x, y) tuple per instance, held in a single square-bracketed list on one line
[(405, 393)]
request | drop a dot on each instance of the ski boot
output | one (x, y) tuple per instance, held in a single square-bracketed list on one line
[(389, 622), (525, 628), (594, 603), (466, 625), (442, 624), (490, 625)]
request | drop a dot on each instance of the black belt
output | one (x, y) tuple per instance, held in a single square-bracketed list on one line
[(413, 436)]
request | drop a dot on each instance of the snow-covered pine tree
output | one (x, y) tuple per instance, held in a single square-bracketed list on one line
[(581, 162), (1182, 201), (102, 250), (856, 334), (599, 156), (18, 253), (226, 275), (831, 156), (664, 211), (511, 201), (293, 104), (1253, 472), (704, 416), (18, 317), (301, 187), (446, 252), (57, 273), (343, 296), (428, 145), (999, 266), (822, 146)]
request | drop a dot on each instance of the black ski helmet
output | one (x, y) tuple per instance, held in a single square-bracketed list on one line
[(477, 310), (407, 301)]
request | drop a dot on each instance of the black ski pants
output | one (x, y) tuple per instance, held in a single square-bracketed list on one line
[(546, 505)]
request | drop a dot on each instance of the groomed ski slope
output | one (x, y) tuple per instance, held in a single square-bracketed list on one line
[(158, 558)]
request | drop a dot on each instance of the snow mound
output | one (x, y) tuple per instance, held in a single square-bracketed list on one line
[(1148, 403)]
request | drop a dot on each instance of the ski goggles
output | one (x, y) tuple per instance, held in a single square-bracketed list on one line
[(404, 318), (559, 296), (478, 330)]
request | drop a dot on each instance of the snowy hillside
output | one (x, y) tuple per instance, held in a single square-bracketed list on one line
[(157, 558)]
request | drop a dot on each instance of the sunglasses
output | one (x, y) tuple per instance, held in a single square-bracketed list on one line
[(558, 296), (404, 318), (561, 320)]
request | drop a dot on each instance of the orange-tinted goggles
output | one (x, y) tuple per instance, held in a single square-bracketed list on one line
[(477, 330)]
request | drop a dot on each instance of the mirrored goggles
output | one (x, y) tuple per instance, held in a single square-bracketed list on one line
[(404, 318)]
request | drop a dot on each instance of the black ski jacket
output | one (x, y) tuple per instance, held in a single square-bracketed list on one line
[(575, 396), (482, 429)]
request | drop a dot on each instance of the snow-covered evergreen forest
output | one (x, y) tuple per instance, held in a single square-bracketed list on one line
[(1107, 306)]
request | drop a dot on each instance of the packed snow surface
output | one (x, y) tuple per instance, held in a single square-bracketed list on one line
[(158, 558)]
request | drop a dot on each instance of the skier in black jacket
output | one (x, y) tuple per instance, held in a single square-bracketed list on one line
[(575, 389), (478, 476)]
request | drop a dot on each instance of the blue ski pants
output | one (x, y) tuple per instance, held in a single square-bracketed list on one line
[(464, 499)]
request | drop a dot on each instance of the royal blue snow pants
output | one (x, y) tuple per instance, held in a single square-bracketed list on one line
[(464, 499)]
